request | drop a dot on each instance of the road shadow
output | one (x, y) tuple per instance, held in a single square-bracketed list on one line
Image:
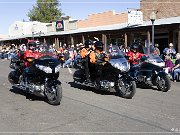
[(87, 88), (28, 96), (146, 86)]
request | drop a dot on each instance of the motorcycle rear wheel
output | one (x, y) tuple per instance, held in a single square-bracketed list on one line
[(54, 94), (126, 89)]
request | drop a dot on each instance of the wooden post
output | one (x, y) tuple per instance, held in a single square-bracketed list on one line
[(178, 45), (125, 40), (148, 37), (83, 39), (57, 47), (131, 38), (55, 41), (104, 40), (170, 37), (44, 40), (72, 40)]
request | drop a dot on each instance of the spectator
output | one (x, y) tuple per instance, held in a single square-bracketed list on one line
[(51, 49), (168, 63), (176, 68), (124, 49), (66, 57), (156, 49), (170, 51)]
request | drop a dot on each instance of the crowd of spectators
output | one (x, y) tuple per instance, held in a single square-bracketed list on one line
[(9, 51), (67, 54)]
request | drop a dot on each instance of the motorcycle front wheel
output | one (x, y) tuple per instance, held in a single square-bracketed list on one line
[(163, 83), (126, 88), (54, 94)]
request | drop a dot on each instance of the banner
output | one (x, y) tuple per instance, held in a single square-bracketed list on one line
[(60, 25)]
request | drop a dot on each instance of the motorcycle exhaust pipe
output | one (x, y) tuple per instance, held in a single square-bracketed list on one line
[(21, 87)]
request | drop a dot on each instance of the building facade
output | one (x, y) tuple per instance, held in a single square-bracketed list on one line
[(162, 8), (104, 18), (19, 28), (113, 27)]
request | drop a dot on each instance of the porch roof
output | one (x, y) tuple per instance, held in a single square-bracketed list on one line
[(165, 21)]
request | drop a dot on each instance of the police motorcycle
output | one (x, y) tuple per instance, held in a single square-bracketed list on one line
[(152, 70), (40, 79), (114, 78)]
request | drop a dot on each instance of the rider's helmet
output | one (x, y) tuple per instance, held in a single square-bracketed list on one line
[(87, 43), (134, 47), (31, 45), (98, 45)]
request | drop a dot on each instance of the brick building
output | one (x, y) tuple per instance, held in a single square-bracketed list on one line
[(104, 18), (163, 8)]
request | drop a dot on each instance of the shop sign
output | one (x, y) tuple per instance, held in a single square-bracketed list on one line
[(60, 25), (135, 17)]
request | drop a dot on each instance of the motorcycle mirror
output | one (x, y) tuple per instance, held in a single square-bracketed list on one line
[(127, 57), (143, 58)]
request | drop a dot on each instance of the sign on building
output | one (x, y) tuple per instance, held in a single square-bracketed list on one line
[(135, 17), (60, 25)]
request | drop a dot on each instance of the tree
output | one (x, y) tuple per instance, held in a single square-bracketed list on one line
[(45, 11)]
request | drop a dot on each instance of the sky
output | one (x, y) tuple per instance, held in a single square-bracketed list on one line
[(17, 10)]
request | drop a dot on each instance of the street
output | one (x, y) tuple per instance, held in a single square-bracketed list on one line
[(88, 111)]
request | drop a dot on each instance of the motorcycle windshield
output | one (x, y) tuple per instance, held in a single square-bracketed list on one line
[(48, 55), (152, 57), (47, 50), (145, 50), (117, 59), (114, 52)]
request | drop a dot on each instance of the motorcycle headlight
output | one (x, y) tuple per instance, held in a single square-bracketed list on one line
[(122, 67), (116, 65), (29, 59), (44, 68), (57, 68), (128, 64)]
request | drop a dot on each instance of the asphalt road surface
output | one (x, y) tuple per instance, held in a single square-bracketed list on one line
[(88, 111)]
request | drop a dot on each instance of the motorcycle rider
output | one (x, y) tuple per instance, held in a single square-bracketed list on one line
[(84, 52), (134, 58), (98, 59), (29, 53)]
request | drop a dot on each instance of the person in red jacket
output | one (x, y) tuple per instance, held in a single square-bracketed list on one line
[(134, 58), (28, 56), (31, 53), (134, 55)]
